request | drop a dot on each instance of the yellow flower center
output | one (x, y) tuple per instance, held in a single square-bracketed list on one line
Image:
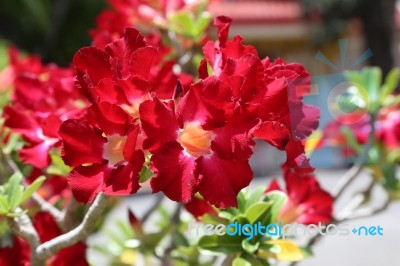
[(113, 149), (195, 139)]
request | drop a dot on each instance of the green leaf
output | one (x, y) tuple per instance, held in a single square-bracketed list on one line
[(254, 196), (14, 190), (241, 198), (351, 140), (354, 77), (391, 81), (201, 24), (226, 215), (4, 206), (374, 80), (13, 143), (240, 262), (307, 252), (368, 81), (389, 173), (254, 260), (258, 212), (32, 189), (221, 244), (249, 247), (182, 23), (116, 238), (152, 240), (212, 219), (179, 239), (185, 23), (145, 174), (277, 199), (57, 167), (394, 155)]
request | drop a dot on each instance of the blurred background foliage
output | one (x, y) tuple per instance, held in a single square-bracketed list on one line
[(54, 29)]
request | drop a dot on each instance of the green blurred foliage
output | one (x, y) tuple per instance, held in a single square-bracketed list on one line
[(54, 29)]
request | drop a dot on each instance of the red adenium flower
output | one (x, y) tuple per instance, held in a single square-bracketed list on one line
[(17, 65), (116, 80), (269, 91), (387, 128), (42, 99), (288, 83), (102, 149), (195, 149), (307, 202), (149, 12), (125, 72)]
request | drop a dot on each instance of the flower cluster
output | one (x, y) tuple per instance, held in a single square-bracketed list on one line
[(44, 96), (386, 127), (110, 24), (199, 137)]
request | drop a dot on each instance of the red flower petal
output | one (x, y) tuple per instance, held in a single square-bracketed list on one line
[(122, 49), (36, 155), (86, 182), (92, 65), (174, 173), (109, 91), (17, 255), (135, 88), (316, 205), (73, 255), (235, 48), (30, 92), (124, 179), (158, 123), (274, 133), (192, 107), (203, 71), (296, 159), (46, 226), (199, 105), (223, 23), (163, 80), (110, 118), (141, 61), (130, 148), (199, 207), (273, 186), (304, 119), (82, 143), (250, 69), (233, 141), (221, 180), (20, 122), (50, 125)]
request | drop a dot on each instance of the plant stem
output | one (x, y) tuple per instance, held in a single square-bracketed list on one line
[(67, 215), (22, 226), (79, 233), (154, 207)]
